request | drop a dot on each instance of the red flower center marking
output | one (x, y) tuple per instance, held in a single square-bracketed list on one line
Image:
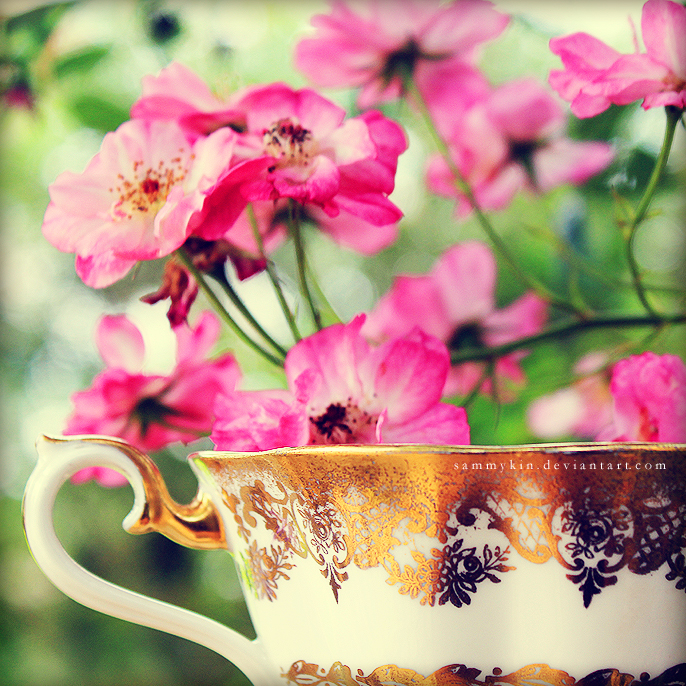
[(147, 191), (648, 427), (150, 187), (342, 424)]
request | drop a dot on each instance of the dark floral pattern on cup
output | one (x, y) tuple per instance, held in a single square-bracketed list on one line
[(420, 524), (677, 570), (461, 570), (597, 548)]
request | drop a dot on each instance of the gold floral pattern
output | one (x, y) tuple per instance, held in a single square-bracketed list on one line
[(303, 673), (266, 568), (415, 582), (594, 508)]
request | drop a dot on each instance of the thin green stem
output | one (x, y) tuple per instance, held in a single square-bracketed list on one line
[(564, 329), (273, 277), (295, 230), (673, 116), (582, 265), (243, 309), (476, 390), (498, 243), (222, 311)]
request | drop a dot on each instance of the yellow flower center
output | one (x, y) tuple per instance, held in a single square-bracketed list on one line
[(289, 143), (147, 191)]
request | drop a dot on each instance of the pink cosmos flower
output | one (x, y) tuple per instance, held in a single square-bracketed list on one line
[(513, 140), (179, 94), (139, 198), (299, 145), (596, 76), (151, 411), (581, 410), (342, 390), (455, 302), (384, 43), (649, 399)]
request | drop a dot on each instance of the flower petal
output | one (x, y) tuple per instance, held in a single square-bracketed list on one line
[(443, 424), (408, 376), (663, 25), (120, 343)]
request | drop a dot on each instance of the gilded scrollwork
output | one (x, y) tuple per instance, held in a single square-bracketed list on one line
[(461, 519), (303, 673), (265, 567)]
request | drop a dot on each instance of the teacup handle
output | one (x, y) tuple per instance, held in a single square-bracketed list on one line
[(196, 525)]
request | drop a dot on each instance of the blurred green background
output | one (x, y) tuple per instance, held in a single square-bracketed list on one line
[(78, 67)]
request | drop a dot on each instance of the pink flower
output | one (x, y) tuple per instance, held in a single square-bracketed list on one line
[(152, 411), (342, 390), (455, 302), (649, 399), (581, 410), (596, 76), (513, 140), (138, 199), (178, 94), (378, 48), (299, 145)]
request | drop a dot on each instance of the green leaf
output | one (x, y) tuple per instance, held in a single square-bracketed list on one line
[(80, 60), (96, 113), (30, 30)]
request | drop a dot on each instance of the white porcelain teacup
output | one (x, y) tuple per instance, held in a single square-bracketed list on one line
[(432, 565)]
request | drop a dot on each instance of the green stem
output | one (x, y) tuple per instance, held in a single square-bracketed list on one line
[(273, 277), (296, 233), (673, 116), (223, 312), (242, 308), (498, 243), (567, 329), (582, 265)]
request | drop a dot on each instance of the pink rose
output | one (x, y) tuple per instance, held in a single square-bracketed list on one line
[(342, 390), (138, 199), (596, 76), (151, 411), (649, 399), (384, 43), (512, 140), (299, 145), (455, 302)]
